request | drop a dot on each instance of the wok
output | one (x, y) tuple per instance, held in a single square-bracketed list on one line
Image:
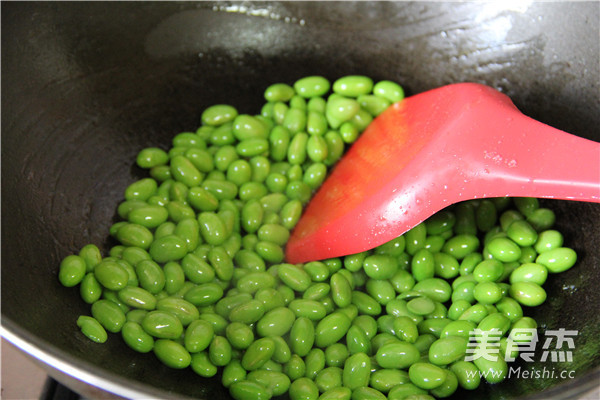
[(87, 85)]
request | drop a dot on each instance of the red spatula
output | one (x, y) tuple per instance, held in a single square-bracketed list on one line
[(458, 142)]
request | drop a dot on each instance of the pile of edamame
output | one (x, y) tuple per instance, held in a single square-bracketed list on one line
[(199, 276)]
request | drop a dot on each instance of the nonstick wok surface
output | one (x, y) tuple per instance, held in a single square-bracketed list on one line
[(87, 85)]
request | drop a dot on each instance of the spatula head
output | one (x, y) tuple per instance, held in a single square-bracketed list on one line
[(391, 178)]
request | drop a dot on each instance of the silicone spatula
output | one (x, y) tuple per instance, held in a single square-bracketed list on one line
[(428, 151)]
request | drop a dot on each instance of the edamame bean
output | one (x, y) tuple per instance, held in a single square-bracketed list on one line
[(312, 86), (182, 170), (111, 275), (331, 329), (270, 251), (426, 376), (529, 272), (91, 255), (92, 329), (248, 390), (488, 271), (162, 325), (218, 115), (528, 293), (397, 355), (219, 351), (258, 353), (302, 336), (353, 85), (526, 205), (212, 228), (137, 297), (557, 260), (248, 312), (276, 382), (276, 322), (168, 248), (134, 235), (109, 315), (136, 338), (494, 370), (388, 90), (198, 336), (151, 157), (172, 354), (436, 289), (446, 350), (72, 270), (357, 371), (487, 292), (141, 190), (380, 266), (448, 387), (504, 249)]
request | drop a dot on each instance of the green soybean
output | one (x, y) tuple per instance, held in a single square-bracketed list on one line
[(136, 338), (258, 353), (558, 259), (388, 90), (426, 376), (528, 293), (72, 270), (162, 325), (357, 371), (92, 329), (111, 275), (110, 316), (218, 114), (312, 86), (172, 354), (397, 355)]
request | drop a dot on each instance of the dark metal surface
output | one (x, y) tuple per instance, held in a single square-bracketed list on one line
[(87, 85)]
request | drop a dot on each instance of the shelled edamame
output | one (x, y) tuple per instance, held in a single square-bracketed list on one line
[(198, 276)]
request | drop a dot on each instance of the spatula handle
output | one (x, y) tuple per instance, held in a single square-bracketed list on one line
[(541, 161)]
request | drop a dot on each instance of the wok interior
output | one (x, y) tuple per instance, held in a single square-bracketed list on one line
[(86, 86)]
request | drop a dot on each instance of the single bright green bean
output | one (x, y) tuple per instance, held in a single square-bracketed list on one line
[(528, 293), (92, 329), (504, 249), (374, 105), (331, 329), (258, 353), (72, 270), (467, 374), (110, 316), (248, 312), (218, 114), (162, 325), (335, 147), (426, 376), (270, 251), (446, 350), (111, 275), (312, 86), (276, 322), (141, 190), (198, 336), (168, 248), (397, 355), (487, 292), (172, 354), (388, 90), (357, 371), (494, 370), (136, 338), (558, 259)]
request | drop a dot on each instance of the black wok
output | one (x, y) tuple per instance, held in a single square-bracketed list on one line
[(85, 86)]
